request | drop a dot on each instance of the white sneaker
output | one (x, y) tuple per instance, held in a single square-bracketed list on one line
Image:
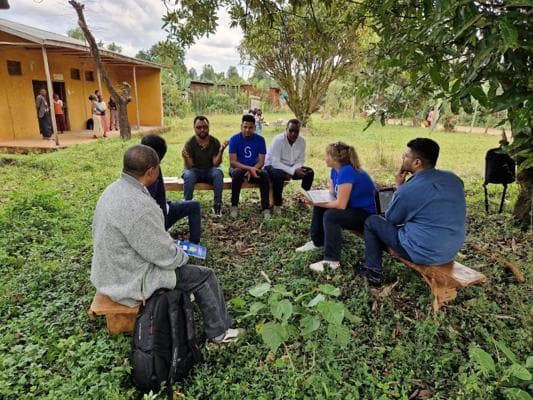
[(266, 213), (319, 266), (234, 212), (217, 210), (231, 335), (309, 246), (277, 210)]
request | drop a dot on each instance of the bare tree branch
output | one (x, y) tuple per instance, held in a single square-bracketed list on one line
[(122, 98)]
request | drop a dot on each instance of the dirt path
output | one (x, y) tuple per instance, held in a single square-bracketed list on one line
[(458, 128)]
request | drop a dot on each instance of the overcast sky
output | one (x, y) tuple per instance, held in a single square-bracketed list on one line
[(132, 24)]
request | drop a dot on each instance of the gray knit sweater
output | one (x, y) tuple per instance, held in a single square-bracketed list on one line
[(130, 242)]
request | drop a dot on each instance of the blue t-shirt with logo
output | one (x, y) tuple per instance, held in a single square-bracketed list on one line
[(247, 150), (363, 189)]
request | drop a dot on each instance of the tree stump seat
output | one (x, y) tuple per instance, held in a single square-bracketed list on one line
[(443, 280), (119, 318), (173, 183)]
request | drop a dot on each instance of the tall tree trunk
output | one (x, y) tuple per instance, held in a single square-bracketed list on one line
[(123, 98), (523, 208)]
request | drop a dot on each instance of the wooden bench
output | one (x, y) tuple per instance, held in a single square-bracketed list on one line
[(119, 318), (173, 183), (443, 280)]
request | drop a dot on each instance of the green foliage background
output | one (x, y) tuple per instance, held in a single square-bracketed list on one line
[(50, 350)]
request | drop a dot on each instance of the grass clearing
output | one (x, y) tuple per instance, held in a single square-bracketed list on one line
[(50, 350)]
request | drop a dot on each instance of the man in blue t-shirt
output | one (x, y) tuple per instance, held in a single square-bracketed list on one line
[(247, 152), (425, 221)]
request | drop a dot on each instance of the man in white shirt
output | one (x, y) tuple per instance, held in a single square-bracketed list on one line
[(285, 160)]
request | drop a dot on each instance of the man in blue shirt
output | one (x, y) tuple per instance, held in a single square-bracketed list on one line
[(247, 152), (172, 210), (425, 222)]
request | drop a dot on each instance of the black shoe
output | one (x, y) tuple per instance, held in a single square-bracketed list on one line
[(374, 279), (217, 210)]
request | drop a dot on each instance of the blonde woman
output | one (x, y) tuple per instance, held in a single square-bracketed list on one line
[(354, 191)]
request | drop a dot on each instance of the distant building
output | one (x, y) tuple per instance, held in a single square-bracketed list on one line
[(72, 74), (273, 93)]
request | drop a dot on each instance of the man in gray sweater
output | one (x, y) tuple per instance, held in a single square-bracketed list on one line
[(133, 255)]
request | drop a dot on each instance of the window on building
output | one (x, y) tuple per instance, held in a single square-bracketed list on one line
[(14, 67), (75, 74), (89, 76)]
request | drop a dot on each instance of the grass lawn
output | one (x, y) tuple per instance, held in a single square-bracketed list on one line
[(353, 345)]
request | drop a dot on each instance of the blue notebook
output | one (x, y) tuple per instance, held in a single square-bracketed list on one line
[(193, 250)]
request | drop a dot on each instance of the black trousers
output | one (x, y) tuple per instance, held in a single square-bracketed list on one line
[(278, 177), (237, 178), (327, 225)]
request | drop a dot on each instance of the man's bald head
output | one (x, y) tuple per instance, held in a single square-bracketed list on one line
[(138, 159)]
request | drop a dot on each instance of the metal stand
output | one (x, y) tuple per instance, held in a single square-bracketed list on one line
[(501, 201)]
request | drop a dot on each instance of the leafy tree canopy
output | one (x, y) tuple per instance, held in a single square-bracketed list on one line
[(76, 33), (480, 50), (114, 47), (304, 55), (193, 75), (208, 74)]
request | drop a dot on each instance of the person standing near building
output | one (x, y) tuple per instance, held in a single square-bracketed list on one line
[(59, 113), (43, 113), (102, 109), (97, 109), (113, 115), (258, 115)]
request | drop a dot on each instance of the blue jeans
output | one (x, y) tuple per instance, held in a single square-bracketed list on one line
[(278, 178), (379, 235), (189, 209), (203, 283), (213, 176), (327, 225)]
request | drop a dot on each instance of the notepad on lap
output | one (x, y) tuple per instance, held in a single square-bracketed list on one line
[(319, 196), (191, 249)]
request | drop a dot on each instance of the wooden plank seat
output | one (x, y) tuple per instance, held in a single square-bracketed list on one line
[(119, 318), (443, 280), (173, 183)]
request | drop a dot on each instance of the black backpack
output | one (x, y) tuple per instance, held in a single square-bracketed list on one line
[(164, 346)]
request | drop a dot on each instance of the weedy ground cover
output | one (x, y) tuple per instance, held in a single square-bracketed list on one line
[(309, 336)]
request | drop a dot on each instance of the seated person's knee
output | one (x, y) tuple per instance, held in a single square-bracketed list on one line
[(330, 216), (195, 205), (217, 173), (189, 175), (370, 221), (237, 173)]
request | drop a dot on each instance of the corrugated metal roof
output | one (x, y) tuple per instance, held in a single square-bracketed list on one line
[(35, 34), (53, 39)]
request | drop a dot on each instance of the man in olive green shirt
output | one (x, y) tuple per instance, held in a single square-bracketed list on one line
[(202, 156)]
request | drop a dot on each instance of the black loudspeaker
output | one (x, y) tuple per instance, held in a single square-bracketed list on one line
[(500, 168)]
